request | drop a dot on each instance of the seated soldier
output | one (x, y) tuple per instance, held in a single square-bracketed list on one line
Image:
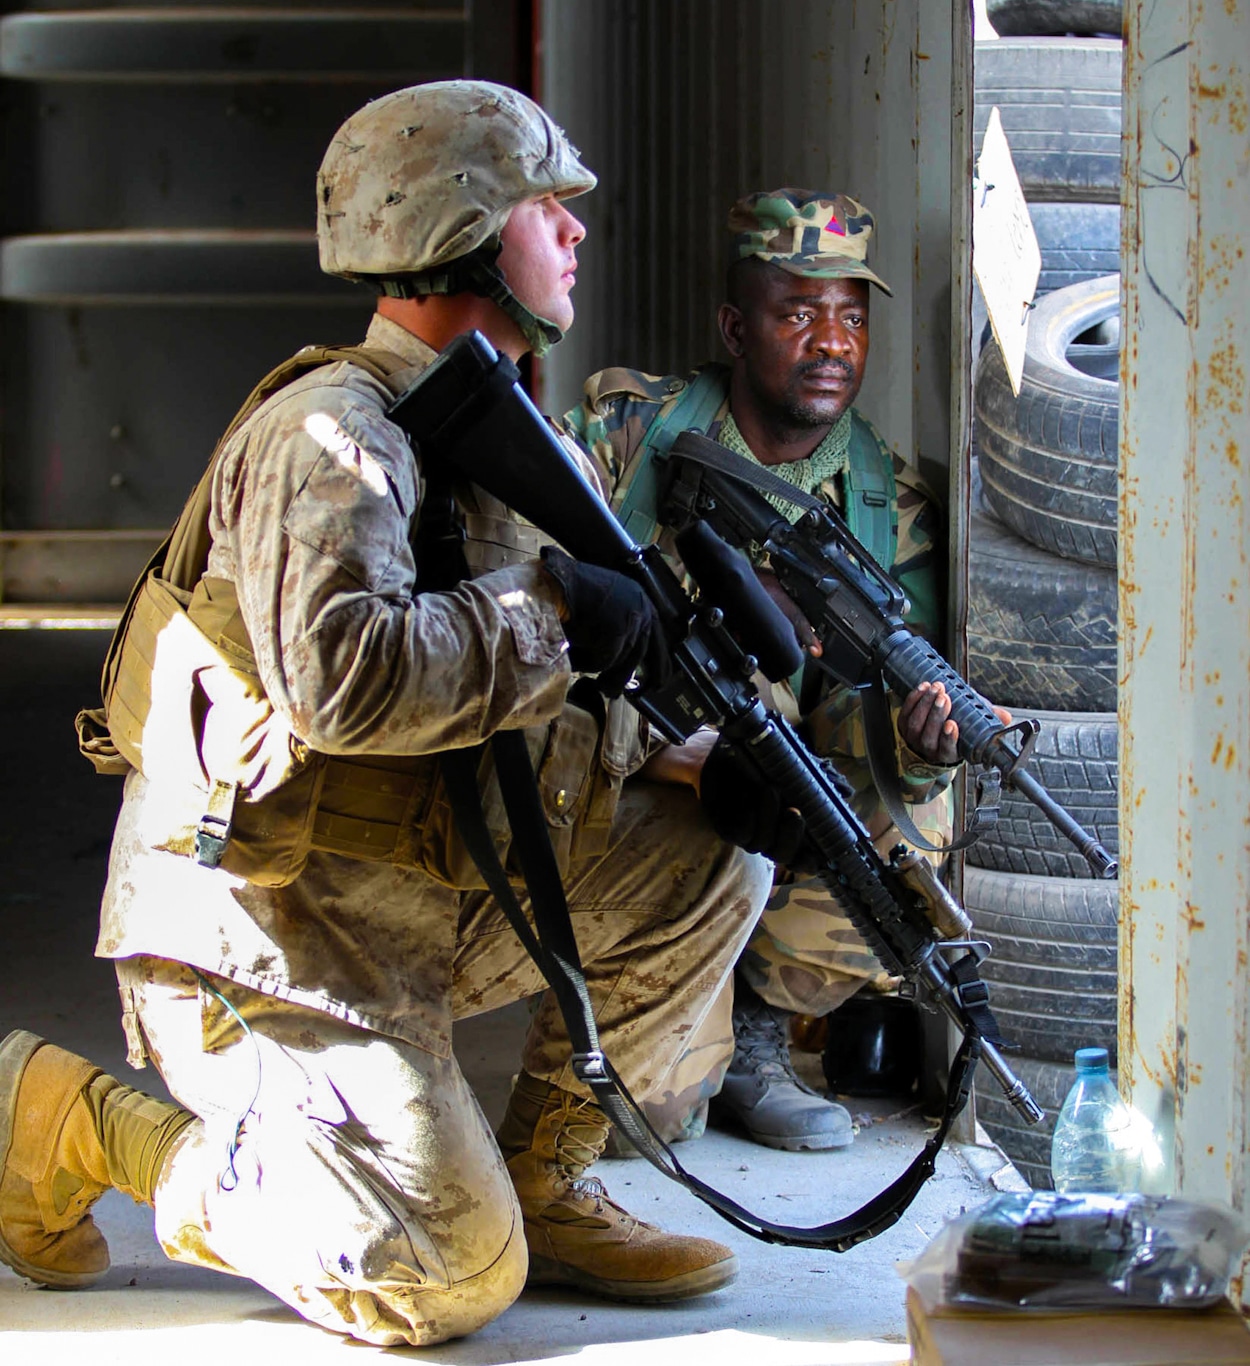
[(795, 324)]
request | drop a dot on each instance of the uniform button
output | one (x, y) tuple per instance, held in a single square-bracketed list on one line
[(675, 386), (561, 797)]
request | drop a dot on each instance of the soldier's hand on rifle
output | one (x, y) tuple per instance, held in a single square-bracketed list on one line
[(610, 624), (925, 727), (682, 764), (803, 631), (746, 811)]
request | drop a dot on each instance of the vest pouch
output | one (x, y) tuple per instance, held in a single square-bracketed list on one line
[(621, 752), (96, 744), (566, 777), (271, 838), (372, 807), (156, 608), (188, 713)]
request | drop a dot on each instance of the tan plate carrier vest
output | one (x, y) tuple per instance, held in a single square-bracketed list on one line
[(184, 703)]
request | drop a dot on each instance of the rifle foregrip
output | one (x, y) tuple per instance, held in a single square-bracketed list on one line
[(910, 661)]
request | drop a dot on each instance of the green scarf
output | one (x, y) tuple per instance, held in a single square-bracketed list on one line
[(807, 475)]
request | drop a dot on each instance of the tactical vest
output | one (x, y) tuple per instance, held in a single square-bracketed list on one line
[(868, 485), (184, 704)]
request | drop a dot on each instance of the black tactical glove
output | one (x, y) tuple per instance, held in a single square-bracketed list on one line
[(746, 811), (610, 624)]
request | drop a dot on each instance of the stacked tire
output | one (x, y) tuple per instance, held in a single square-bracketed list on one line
[(1042, 558)]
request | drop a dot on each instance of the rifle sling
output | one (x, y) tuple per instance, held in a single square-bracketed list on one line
[(721, 458), (552, 943)]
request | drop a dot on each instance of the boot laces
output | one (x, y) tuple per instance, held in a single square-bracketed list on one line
[(591, 1188), (580, 1137), (761, 1044)]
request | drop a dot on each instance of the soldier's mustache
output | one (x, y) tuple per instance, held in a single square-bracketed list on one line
[(825, 367)]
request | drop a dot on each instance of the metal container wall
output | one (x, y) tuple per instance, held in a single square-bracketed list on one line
[(158, 252), (1184, 595), (682, 107)]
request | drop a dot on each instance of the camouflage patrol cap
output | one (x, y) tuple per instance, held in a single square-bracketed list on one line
[(805, 232)]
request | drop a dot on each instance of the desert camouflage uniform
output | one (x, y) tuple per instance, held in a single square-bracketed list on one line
[(340, 1159), (805, 956)]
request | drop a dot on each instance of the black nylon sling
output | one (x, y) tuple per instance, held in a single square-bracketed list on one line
[(552, 943)]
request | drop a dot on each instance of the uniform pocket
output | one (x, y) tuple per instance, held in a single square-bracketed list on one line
[(566, 768)]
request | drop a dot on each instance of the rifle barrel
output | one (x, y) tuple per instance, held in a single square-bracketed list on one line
[(1103, 863)]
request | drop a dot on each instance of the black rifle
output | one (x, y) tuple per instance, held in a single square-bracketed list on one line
[(854, 606), (471, 420)]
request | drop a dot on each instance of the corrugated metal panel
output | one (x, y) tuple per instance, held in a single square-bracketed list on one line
[(1184, 595), (682, 107)]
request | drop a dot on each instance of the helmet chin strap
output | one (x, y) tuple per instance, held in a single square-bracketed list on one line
[(478, 273)]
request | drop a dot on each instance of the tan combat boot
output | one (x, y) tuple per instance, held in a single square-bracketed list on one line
[(68, 1133), (577, 1235)]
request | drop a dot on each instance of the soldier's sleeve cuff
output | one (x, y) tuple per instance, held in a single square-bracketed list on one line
[(528, 600), (919, 779)]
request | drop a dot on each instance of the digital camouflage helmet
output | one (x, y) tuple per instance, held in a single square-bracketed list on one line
[(416, 187)]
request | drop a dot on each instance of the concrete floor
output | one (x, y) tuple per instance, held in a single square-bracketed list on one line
[(789, 1306)]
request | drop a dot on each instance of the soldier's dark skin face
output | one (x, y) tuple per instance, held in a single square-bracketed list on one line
[(799, 346)]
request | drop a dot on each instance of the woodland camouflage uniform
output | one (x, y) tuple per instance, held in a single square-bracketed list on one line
[(805, 956)]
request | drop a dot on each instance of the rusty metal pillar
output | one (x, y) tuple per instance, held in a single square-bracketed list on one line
[(1184, 595)]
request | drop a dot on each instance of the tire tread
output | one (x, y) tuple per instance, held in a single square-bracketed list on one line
[(1052, 971)]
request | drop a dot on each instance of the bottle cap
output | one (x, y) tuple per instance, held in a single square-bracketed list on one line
[(1091, 1059)]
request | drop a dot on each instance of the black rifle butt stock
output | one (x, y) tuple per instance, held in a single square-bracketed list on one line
[(468, 409)]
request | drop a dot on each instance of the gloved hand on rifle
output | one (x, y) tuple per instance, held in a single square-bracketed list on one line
[(746, 811), (611, 626)]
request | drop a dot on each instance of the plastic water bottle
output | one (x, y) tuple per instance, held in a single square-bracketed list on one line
[(1095, 1147)]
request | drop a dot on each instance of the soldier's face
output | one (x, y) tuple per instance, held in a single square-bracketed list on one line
[(539, 257), (802, 343)]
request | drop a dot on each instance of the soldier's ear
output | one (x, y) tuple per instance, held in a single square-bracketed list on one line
[(730, 321)]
